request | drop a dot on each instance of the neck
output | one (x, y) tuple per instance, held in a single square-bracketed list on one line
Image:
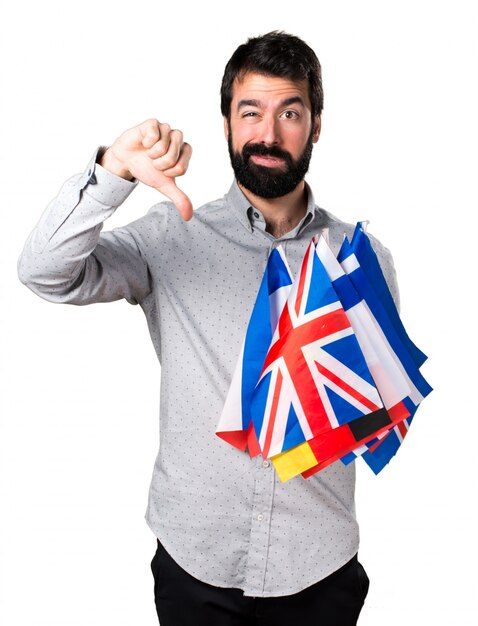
[(281, 214)]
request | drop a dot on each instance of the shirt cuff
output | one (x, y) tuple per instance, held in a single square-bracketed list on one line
[(102, 185)]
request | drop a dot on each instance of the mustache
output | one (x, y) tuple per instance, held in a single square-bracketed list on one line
[(260, 149)]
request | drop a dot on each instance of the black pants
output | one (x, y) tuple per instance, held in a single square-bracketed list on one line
[(182, 600)]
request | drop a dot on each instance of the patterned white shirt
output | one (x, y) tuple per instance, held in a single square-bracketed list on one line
[(224, 517)]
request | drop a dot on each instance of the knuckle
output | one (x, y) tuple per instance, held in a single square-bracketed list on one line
[(158, 149), (167, 161), (151, 123)]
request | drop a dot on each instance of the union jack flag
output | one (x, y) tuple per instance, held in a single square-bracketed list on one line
[(337, 376), (314, 378)]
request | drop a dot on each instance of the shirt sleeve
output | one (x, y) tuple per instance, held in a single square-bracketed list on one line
[(67, 259)]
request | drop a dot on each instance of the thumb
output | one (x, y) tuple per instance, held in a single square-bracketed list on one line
[(178, 197)]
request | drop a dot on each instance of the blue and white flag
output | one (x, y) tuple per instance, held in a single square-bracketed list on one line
[(361, 247), (398, 341), (362, 267)]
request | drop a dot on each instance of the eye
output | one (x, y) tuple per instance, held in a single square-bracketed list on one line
[(290, 115), (249, 114)]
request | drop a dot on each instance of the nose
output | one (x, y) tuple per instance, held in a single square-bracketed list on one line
[(270, 131)]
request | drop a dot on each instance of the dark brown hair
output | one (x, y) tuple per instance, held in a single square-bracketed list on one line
[(274, 54)]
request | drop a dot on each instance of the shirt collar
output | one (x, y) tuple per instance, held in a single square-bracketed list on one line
[(250, 217)]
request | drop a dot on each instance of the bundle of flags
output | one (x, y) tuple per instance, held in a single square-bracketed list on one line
[(327, 370)]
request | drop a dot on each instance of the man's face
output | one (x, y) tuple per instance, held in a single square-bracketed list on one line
[(270, 134)]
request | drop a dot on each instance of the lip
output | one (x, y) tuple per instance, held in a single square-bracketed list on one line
[(267, 161)]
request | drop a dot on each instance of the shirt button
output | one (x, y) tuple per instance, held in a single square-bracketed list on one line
[(256, 215), (266, 464), (260, 517)]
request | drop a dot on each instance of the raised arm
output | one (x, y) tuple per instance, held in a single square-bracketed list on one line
[(67, 258)]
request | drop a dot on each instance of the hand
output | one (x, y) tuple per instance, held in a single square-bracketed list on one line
[(155, 155)]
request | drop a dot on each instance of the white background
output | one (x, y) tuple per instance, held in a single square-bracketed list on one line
[(398, 147)]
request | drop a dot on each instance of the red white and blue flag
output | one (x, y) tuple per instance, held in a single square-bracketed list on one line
[(235, 424), (327, 370), (314, 377)]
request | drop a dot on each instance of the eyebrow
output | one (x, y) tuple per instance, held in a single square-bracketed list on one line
[(257, 103)]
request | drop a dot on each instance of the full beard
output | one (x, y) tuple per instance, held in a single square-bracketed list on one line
[(269, 182)]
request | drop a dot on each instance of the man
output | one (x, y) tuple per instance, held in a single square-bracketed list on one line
[(235, 546)]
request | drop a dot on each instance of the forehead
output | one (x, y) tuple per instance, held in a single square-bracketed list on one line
[(268, 89)]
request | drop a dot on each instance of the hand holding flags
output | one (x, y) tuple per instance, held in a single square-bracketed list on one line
[(327, 370)]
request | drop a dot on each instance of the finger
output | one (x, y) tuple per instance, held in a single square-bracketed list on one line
[(150, 132), (169, 159), (180, 199), (161, 145), (182, 164)]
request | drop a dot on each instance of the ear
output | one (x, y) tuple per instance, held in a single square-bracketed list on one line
[(226, 127), (317, 127)]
